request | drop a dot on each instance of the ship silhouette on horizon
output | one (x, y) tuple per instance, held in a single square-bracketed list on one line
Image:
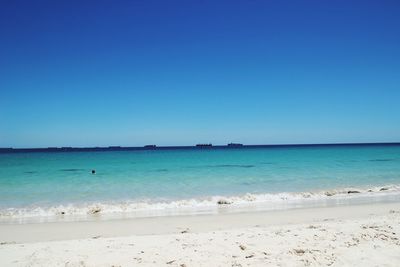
[(235, 145), (204, 145)]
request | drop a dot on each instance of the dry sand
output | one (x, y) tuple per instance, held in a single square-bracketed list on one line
[(363, 235)]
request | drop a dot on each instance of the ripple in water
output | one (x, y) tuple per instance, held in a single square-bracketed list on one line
[(71, 170), (231, 166)]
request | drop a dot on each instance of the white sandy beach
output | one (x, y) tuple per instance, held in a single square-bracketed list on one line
[(359, 235)]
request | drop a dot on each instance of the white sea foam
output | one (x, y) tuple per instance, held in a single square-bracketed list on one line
[(213, 204)]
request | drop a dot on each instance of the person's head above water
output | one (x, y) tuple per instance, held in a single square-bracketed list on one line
[(93, 171)]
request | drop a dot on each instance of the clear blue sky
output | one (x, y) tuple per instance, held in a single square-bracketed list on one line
[(105, 73)]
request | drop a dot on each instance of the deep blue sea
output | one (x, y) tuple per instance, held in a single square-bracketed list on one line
[(52, 184)]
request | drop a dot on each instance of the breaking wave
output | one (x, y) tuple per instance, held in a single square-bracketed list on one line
[(212, 204)]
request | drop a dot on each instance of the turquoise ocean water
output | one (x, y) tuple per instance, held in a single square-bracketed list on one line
[(50, 184)]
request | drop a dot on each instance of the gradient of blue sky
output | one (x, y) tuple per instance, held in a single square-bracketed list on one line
[(181, 72)]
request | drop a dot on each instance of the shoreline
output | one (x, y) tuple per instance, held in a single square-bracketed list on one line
[(356, 235), (53, 231)]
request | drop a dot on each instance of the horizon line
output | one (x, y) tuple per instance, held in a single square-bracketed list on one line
[(202, 145)]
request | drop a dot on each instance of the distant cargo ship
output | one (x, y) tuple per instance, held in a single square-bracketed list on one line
[(235, 145), (204, 145)]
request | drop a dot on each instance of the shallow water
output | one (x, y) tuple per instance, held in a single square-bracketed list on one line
[(45, 183)]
